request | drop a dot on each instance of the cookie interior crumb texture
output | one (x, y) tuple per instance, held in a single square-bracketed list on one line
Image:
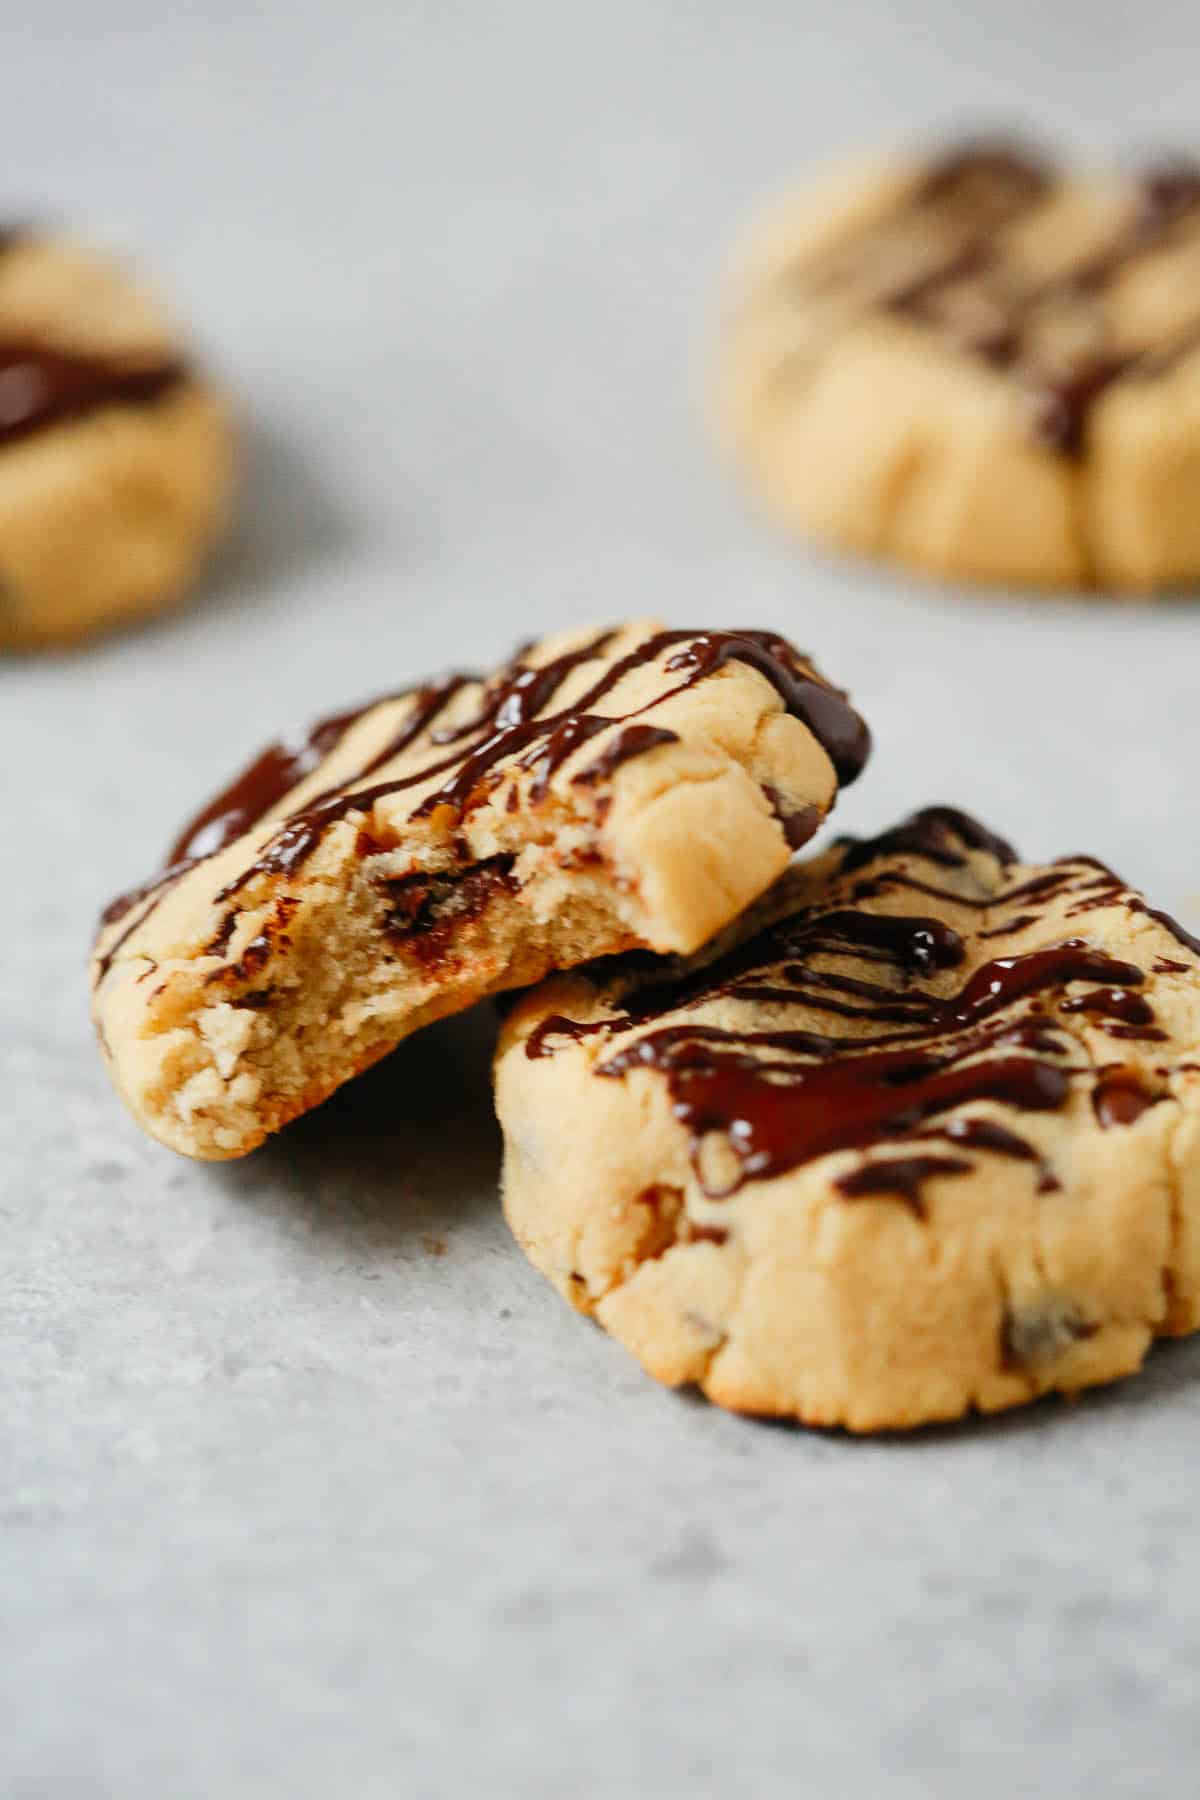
[(978, 365), (926, 1141), (606, 790), (116, 454)]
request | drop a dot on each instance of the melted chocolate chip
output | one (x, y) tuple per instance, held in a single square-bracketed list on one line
[(800, 823), (1120, 1097), (1040, 1331), (426, 910)]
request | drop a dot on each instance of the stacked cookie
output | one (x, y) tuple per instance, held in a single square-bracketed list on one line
[(869, 1139)]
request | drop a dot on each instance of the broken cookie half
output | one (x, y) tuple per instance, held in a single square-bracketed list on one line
[(928, 1139), (606, 790)]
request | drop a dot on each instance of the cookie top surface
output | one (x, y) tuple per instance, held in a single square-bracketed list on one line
[(934, 1051), (1063, 285), (617, 787)]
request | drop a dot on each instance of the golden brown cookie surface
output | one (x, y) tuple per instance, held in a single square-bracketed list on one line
[(929, 1141), (980, 365)]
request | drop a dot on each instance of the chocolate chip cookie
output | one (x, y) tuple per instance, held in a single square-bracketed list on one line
[(927, 1140), (980, 365), (115, 452), (605, 790)]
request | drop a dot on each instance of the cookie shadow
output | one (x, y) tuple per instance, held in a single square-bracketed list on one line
[(286, 516), (403, 1154)]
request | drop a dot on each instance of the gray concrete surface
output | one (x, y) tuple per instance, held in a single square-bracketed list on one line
[(291, 1504)]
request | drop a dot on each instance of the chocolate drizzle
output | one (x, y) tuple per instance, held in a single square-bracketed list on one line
[(965, 289), (250, 796), (635, 740), (839, 730), (301, 832), (509, 725), (40, 386), (1168, 923), (986, 1134), (940, 834), (760, 1099), (900, 1176), (775, 1114)]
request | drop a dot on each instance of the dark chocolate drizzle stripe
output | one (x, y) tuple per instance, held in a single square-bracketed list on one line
[(505, 726), (247, 799), (250, 796), (940, 834), (41, 387), (980, 190), (782, 1097), (899, 1177), (508, 728)]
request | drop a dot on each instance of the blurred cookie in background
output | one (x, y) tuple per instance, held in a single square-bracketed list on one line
[(979, 365), (116, 455)]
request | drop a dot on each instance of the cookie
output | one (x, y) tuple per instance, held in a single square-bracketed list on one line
[(929, 1140), (115, 453), (980, 366), (605, 790)]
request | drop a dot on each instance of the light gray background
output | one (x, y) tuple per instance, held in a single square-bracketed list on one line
[(292, 1505)]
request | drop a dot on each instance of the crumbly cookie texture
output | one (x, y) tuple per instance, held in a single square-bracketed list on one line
[(927, 1141), (978, 366), (116, 456), (631, 787)]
